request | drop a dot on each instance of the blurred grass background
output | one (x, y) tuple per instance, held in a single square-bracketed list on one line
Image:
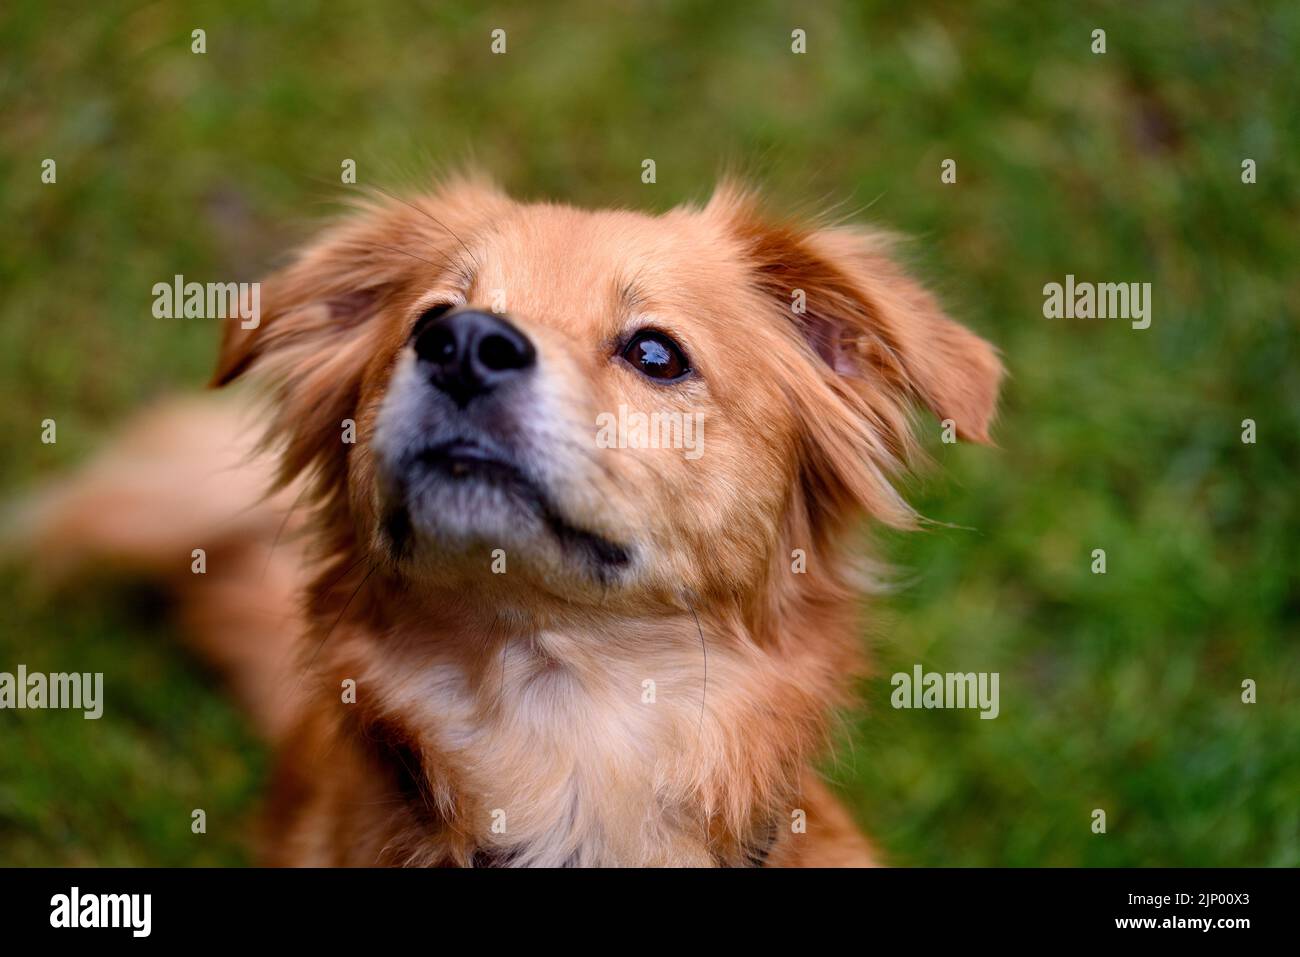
[(1119, 691)]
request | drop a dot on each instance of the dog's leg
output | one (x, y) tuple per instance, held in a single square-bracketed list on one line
[(180, 478)]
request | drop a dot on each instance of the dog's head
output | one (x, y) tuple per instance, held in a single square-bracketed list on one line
[(603, 405)]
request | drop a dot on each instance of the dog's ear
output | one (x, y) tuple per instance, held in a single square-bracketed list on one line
[(323, 299), (865, 313), (879, 339), (324, 317), (865, 317)]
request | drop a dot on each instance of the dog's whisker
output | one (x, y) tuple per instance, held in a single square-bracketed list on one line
[(435, 220), (343, 611), (284, 523), (446, 260), (705, 690)]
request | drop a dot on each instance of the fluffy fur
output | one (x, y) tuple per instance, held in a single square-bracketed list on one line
[(501, 718)]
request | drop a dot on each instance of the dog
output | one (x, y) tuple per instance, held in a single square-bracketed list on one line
[(476, 635)]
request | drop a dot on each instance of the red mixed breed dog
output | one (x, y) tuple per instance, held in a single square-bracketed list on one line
[(475, 634)]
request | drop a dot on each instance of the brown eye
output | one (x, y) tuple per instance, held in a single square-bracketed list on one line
[(656, 356)]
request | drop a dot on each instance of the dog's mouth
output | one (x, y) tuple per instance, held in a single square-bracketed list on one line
[(466, 465), (465, 460)]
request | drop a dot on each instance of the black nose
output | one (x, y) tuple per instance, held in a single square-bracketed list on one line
[(469, 353)]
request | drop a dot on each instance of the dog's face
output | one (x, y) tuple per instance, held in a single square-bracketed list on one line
[(603, 406), (499, 426)]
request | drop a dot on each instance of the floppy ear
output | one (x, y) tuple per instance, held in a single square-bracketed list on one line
[(866, 318), (348, 273), (867, 313), (323, 317), (880, 342), (322, 298)]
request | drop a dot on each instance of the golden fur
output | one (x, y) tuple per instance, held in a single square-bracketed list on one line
[(500, 719)]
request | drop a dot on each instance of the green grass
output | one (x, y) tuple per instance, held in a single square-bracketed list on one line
[(1119, 692)]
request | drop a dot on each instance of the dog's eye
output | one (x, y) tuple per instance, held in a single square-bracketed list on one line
[(656, 356)]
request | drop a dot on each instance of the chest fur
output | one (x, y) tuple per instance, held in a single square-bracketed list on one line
[(558, 764)]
